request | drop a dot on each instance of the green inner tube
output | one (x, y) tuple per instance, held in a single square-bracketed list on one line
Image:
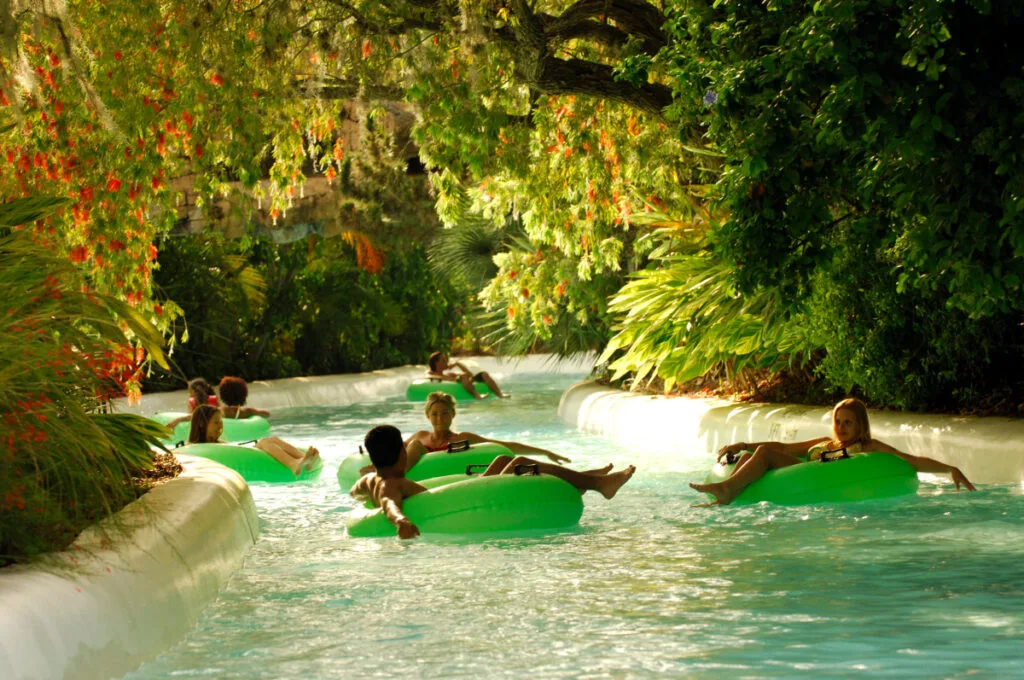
[(434, 464), (863, 476), (254, 465), (482, 505), (420, 389), (235, 429)]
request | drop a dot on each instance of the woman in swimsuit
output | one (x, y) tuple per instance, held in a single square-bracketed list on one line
[(208, 425), (440, 411), (850, 430)]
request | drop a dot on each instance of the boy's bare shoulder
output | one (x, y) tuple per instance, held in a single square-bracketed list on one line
[(411, 488)]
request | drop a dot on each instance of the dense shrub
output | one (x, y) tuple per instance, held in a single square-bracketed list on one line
[(63, 354), (908, 350), (894, 124), (263, 310)]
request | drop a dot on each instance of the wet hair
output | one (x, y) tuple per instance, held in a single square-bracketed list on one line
[(860, 417), (201, 390), (233, 391), (439, 398), (384, 444), (201, 417), (432, 361)]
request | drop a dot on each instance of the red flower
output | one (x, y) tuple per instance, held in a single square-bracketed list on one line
[(79, 254), (367, 49), (113, 185), (117, 55), (217, 79)]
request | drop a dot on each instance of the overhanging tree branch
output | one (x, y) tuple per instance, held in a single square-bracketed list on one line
[(575, 76)]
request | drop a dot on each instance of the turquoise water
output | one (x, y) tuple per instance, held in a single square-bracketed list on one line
[(928, 586)]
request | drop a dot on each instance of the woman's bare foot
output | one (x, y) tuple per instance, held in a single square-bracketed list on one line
[(309, 461), (609, 485), (720, 490)]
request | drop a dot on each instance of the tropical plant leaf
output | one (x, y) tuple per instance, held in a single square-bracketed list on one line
[(25, 210)]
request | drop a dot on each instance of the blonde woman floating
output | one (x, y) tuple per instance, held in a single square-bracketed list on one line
[(850, 430)]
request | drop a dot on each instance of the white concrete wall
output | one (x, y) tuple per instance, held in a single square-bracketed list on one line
[(356, 387), (123, 605), (986, 449)]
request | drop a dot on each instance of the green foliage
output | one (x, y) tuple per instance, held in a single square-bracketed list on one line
[(25, 210), (906, 350), (894, 124), (684, 318), (62, 357), (319, 312)]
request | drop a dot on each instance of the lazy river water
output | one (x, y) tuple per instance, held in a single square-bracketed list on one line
[(925, 586)]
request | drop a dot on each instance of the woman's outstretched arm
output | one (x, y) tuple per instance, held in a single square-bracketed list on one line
[(514, 447), (925, 464)]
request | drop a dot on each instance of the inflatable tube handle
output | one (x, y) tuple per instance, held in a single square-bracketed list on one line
[(733, 458), (530, 469), (469, 468), (455, 447), (826, 458)]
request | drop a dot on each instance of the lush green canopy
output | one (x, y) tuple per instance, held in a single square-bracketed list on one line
[(788, 180)]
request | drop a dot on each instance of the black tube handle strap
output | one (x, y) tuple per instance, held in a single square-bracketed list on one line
[(461, 445), (527, 469), (834, 455)]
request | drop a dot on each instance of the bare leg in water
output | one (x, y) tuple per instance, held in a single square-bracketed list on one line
[(467, 382), (605, 484), (746, 473), (286, 454), (485, 378)]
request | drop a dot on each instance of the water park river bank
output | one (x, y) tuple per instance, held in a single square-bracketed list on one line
[(663, 584)]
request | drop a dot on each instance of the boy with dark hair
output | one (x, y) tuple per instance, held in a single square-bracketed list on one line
[(387, 486)]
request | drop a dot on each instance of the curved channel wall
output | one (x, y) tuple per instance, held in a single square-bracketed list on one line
[(356, 387), (988, 450), (100, 610)]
